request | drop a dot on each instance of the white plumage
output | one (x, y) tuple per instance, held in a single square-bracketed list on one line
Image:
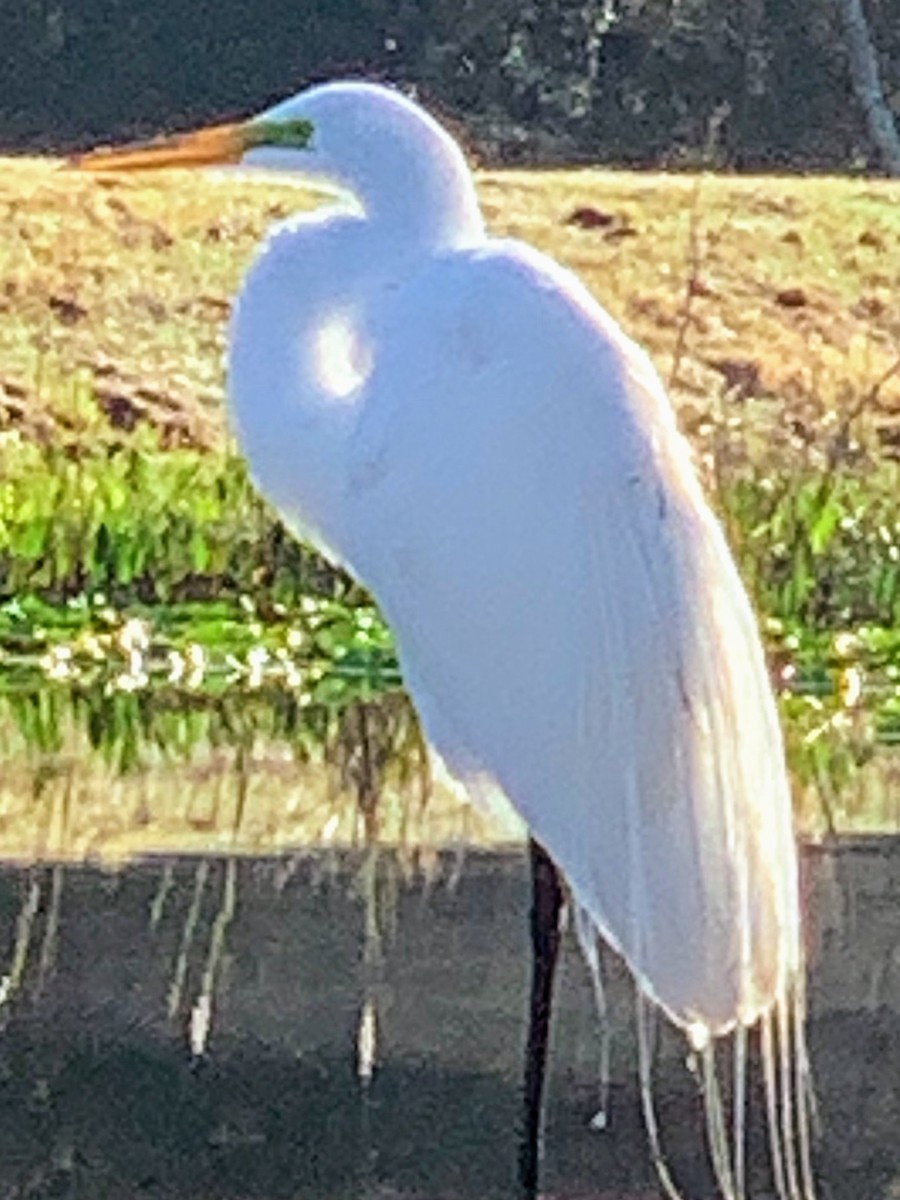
[(508, 480), (456, 420)]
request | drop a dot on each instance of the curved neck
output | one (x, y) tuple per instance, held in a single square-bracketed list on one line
[(417, 201)]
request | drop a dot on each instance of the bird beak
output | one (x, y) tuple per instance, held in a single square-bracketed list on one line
[(212, 146)]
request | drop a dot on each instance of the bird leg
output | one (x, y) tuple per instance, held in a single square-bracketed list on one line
[(546, 911)]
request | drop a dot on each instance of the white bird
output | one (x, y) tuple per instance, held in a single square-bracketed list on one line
[(456, 420)]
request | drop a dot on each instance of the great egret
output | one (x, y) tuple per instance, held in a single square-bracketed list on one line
[(456, 420)]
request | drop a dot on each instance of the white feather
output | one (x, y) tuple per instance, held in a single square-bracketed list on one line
[(571, 625)]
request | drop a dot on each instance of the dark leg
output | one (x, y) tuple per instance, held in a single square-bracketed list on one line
[(546, 909)]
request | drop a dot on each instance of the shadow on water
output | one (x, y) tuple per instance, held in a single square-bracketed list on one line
[(254, 1123), (101, 1093)]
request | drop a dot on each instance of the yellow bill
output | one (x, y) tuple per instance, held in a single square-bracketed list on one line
[(214, 145)]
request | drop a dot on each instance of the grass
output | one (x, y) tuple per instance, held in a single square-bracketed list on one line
[(766, 304)]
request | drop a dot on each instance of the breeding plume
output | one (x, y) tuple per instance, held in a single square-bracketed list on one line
[(455, 419)]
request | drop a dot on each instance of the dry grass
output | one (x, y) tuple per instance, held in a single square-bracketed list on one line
[(114, 292)]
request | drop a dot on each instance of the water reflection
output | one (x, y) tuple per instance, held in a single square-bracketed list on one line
[(346, 1020), (90, 770), (90, 775), (105, 1088), (306, 705)]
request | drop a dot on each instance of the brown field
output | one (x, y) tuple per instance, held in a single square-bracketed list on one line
[(115, 291)]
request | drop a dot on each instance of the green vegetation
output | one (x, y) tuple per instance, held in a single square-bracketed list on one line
[(135, 523), (818, 546)]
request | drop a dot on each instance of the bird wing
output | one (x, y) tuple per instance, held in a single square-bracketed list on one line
[(571, 625)]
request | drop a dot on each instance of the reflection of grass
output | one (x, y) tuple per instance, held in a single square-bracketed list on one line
[(93, 766), (98, 765), (189, 806)]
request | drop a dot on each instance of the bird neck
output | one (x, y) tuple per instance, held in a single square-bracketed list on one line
[(421, 203)]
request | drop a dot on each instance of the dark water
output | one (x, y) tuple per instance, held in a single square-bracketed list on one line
[(101, 1095)]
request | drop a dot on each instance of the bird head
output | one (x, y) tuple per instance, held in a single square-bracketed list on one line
[(362, 139), (332, 133)]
